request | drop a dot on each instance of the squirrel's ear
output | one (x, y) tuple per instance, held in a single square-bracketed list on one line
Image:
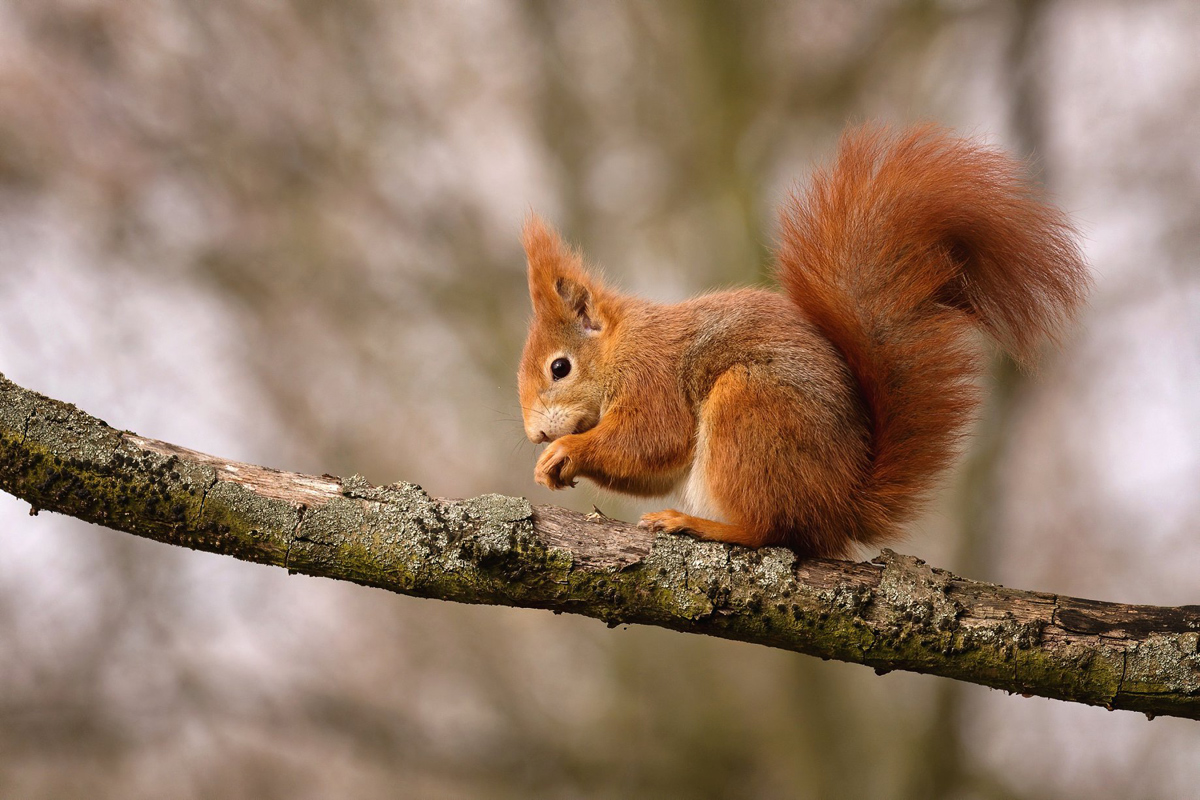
[(579, 301), (558, 282)]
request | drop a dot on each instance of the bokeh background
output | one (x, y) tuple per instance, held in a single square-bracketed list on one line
[(287, 233)]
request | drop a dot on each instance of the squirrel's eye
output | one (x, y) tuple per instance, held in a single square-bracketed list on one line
[(561, 368)]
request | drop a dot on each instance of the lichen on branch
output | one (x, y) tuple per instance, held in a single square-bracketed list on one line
[(893, 612)]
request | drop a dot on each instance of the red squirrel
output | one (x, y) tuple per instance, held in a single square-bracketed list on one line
[(818, 417)]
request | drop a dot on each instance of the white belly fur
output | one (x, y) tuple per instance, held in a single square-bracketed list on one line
[(693, 496)]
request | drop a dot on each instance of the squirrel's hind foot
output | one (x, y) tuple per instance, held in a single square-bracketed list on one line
[(672, 521)]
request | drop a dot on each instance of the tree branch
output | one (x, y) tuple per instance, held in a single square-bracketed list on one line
[(890, 613)]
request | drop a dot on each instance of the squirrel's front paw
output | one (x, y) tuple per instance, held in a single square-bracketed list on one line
[(555, 468)]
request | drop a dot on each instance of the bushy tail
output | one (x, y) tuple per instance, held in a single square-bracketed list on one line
[(909, 240)]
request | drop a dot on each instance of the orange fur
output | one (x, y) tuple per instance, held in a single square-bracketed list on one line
[(821, 417)]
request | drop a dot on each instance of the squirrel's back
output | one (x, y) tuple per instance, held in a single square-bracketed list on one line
[(911, 239)]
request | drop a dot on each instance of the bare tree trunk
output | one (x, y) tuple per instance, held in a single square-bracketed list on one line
[(894, 612)]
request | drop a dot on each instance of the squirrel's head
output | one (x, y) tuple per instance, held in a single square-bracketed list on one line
[(560, 375)]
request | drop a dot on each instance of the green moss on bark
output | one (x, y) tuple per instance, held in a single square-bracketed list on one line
[(60, 458), (895, 613)]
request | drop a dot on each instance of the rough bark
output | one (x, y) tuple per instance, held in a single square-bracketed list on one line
[(893, 612)]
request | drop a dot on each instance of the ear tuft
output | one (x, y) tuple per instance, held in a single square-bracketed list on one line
[(558, 283)]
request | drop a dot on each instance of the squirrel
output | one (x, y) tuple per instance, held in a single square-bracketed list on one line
[(819, 417)]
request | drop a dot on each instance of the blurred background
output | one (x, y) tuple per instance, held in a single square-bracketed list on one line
[(287, 233)]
